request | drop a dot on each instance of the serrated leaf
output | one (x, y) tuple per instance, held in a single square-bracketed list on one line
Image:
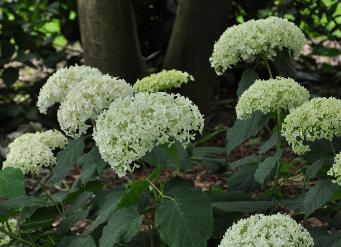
[(71, 220), (271, 142), (133, 193), (266, 167), (11, 183), (244, 161), (186, 220), (244, 179), (92, 158), (295, 204), (248, 78), (122, 226), (314, 169), (66, 159), (244, 206), (80, 241), (318, 195), (244, 129)]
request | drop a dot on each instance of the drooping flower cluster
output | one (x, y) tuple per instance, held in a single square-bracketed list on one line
[(162, 81), (335, 171), (271, 231), (83, 92), (88, 100), (271, 95), (32, 151), (133, 126), (4, 238), (59, 84), (256, 38), (319, 118)]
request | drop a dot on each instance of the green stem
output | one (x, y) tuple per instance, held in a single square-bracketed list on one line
[(51, 199), (269, 69), (14, 236), (158, 191), (332, 147), (278, 147)]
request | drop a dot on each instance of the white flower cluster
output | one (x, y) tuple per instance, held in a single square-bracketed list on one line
[(59, 84), (88, 100), (267, 231), (32, 151), (162, 81), (271, 95), (133, 126), (83, 92), (319, 118), (256, 38), (335, 171), (4, 238)]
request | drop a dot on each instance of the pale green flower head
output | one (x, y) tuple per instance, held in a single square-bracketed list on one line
[(162, 81), (335, 171), (4, 238), (262, 38), (59, 84), (319, 118), (32, 151), (133, 126), (271, 231), (87, 99), (269, 96)]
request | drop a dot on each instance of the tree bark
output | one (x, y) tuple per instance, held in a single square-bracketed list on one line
[(198, 24), (109, 38)]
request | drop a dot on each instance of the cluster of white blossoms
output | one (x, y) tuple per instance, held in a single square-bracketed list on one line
[(256, 38), (83, 92), (59, 84), (133, 126), (32, 151), (4, 238), (162, 81), (267, 231), (88, 100), (319, 118), (267, 96), (335, 171)]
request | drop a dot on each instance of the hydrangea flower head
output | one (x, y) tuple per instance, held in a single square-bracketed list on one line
[(162, 81), (271, 231), (256, 38), (4, 238), (316, 119), (59, 84), (335, 171), (266, 96), (133, 126), (87, 102), (32, 151)]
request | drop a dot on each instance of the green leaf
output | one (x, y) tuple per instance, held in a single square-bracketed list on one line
[(80, 241), (186, 220), (244, 206), (122, 226), (92, 159), (295, 204), (252, 159), (314, 169), (11, 183), (244, 129), (66, 159), (248, 78), (174, 156), (105, 209), (207, 156), (266, 167), (324, 239), (271, 142), (244, 179), (71, 220), (284, 65), (133, 193), (318, 195)]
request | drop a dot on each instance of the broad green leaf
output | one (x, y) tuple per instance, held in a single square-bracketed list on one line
[(324, 239), (266, 167), (295, 204), (244, 206), (252, 159), (133, 193), (222, 196), (284, 65), (71, 220), (318, 195), (122, 226), (248, 78), (80, 241), (186, 220), (66, 159), (106, 208), (244, 129), (208, 156), (11, 183), (244, 179), (92, 159), (174, 156), (271, 142), (314, 169), (208, 151)]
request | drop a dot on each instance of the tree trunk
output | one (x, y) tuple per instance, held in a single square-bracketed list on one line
[(109, 38), (198, 24)]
